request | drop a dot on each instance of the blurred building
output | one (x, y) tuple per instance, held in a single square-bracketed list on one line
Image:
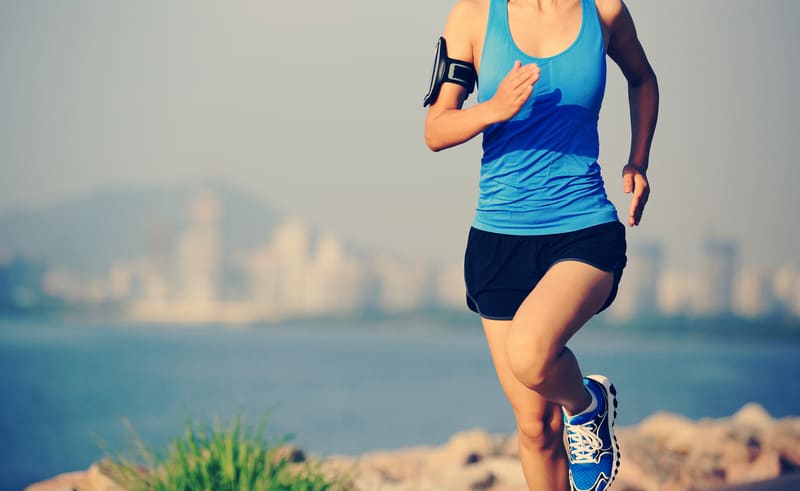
[(753, 294), (402, 283), (198, 251), (678, 292), (638, 291), (336, 280), (450, 287), (21, 282), (786, 288), (718, 276), (296, 273)]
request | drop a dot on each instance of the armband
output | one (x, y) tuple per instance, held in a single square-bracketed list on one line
[(449, 70)]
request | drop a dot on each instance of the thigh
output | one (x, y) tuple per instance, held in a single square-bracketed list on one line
[(566, 297)]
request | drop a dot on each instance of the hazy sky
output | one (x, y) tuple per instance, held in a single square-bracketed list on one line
[(316, 108)]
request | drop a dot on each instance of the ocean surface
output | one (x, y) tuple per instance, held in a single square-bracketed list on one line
[(338, 387)]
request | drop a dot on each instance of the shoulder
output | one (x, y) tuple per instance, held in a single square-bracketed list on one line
[(469, 7), (465, 25), (468, 13), (610, 11)]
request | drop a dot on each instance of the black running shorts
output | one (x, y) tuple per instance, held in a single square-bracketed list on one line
[(501, 270)]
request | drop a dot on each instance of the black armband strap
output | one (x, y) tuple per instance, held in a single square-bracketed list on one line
[(449, 70)]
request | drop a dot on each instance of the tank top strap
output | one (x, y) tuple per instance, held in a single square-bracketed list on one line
[(591, 23), (497, 24), (497, 12)]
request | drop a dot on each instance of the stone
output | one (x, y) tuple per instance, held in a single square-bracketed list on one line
[(510, 446), (766, 466), (465, 447), (673, 431), (98, 481), (291, 453), (753, 415), (68, 481), (666, 452)]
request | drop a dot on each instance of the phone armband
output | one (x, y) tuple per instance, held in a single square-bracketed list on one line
[(447, 69)]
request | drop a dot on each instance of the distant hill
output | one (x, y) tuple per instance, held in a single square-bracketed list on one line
[(90, 233)]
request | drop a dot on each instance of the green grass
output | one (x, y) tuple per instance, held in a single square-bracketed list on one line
[(218, 458)]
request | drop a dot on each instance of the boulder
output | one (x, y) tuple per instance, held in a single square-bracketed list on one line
[(467, 447), (666, 452)]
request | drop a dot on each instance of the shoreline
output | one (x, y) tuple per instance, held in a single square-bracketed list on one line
[(748, 451)]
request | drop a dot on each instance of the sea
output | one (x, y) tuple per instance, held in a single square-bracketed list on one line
[(71, 391)]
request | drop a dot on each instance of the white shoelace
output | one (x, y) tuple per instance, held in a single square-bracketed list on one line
[(584, 444)]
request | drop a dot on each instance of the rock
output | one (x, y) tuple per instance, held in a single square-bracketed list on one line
[(510, 446), (766, 466), (484, 484), (394, 466), (753, 415), (291, 453), (98, 481), (666, 452), (91, 480), (784, 438), (674, 432), (69, 481), (466, 447)]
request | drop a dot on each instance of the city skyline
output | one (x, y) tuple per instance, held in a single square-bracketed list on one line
[(112, 94), (197, 273)]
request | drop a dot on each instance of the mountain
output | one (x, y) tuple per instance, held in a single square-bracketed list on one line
[(90, 233)]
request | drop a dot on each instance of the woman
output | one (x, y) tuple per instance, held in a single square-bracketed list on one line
[(546, 248)]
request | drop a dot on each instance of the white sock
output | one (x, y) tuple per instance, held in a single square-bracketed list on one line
[(592, 406)]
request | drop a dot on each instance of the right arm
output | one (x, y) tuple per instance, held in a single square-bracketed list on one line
[(447, 124)]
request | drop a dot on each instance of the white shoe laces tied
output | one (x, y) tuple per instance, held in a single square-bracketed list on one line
[(584, 444)]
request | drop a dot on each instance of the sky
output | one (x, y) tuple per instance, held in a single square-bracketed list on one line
[(316, 109)]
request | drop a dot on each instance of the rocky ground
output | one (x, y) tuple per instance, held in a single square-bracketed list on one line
[(665, 452)]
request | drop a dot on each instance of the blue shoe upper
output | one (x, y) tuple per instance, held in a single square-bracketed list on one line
[(590, 444)]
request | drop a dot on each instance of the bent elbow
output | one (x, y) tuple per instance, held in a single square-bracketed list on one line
[(645, 79), (432, 142)]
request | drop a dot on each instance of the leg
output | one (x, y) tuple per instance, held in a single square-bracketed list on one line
[(539, 422), (568, 295)]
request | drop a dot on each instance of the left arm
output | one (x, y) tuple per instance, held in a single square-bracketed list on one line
[(627, 52)]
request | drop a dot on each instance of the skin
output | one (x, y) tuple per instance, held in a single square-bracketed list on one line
[(536, 370)]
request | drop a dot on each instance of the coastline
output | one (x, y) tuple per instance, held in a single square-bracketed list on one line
[(748, 451)]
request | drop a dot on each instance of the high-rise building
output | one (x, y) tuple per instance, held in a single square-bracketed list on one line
[(753, 292), (638, 291), (279, 270), (786, 286), (718, 276), (198, 251), (336, 279), (402, 283)]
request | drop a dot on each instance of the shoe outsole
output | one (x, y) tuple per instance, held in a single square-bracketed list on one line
[(610, 389)]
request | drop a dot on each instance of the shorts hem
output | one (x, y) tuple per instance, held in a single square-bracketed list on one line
[(584, 261), (494, 318), (472, 305)]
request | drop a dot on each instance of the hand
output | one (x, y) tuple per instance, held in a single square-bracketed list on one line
[(634, 180), (514, 90)]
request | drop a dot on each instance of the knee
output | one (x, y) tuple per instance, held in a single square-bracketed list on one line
[(530, 358), (539, 434)]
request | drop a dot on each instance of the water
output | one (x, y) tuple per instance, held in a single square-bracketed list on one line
[(340, 388)]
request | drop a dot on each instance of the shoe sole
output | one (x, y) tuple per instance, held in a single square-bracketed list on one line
[(611, 395)]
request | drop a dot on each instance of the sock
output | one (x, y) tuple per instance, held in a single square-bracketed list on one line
[(590, 409)]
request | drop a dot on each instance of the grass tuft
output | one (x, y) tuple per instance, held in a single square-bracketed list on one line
[(219, 458)]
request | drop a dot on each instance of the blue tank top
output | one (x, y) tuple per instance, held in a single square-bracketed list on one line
[(539, 171)]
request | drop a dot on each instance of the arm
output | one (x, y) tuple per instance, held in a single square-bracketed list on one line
[(627, 52), (446, 123)]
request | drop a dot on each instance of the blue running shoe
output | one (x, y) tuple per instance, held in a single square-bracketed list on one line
[(592, 448)]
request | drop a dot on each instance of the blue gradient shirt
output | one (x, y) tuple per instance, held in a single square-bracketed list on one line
[(539, 171)]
